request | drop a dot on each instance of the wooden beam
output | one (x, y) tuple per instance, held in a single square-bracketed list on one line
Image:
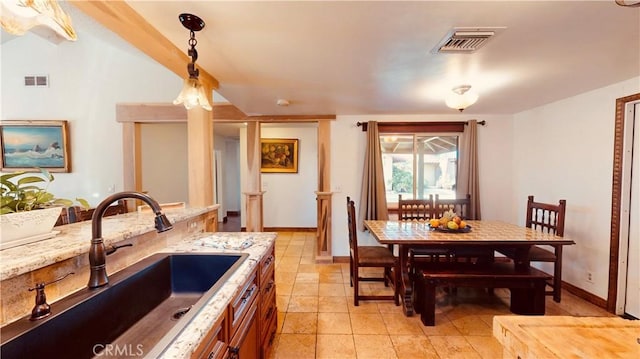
[(120, 18), (164, 112), (290, 118)]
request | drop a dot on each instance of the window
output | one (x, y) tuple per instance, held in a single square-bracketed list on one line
[(419, 164)]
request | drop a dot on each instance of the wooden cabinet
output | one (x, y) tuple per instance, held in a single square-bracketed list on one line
[(267, 307), (247, 329), (214, 345)]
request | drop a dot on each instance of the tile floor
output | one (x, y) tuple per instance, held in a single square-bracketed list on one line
[(317, 318)]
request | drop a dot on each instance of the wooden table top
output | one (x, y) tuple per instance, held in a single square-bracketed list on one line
[(568, 337), (482, 232)]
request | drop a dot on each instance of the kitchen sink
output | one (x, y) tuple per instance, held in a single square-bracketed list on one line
[(144, 307)]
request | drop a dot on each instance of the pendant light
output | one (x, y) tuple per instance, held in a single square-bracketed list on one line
[(192, 94)]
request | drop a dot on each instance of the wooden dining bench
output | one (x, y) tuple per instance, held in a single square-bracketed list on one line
[(527, 288)]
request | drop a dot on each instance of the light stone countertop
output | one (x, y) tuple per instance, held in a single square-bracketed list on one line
[(23, 259), (187, 341), (77, 239)]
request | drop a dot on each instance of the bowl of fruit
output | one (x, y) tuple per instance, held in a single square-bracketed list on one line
[(449, 222)]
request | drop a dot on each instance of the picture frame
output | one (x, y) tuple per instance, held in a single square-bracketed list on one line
[(27, 144), (279, 155)]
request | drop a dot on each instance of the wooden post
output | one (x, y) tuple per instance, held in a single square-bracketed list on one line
[(200, 157), (253, 190), (323, 195)]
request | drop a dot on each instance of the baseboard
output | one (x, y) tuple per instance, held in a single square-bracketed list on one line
[(290, 229), (233, 213), (340, 259), (583, 294)]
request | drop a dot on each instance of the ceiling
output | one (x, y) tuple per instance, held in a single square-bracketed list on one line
[(376, 57)]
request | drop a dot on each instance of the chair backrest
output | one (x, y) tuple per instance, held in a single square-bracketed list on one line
[(63, 218), (351, 222), (459, 205), (546, 217), (415, 209), (79, 214)]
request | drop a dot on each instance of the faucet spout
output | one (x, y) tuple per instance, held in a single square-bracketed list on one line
[(97, 252)]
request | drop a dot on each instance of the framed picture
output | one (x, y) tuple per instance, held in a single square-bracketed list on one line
[(279, 155), (28, 144)]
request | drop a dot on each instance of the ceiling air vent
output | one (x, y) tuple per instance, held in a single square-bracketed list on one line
[(36, 81), (465, 40)]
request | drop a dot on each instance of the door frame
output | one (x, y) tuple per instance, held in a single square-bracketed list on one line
[(616, 197)]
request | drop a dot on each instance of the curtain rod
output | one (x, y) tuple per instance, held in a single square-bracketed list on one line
[(481, 123)]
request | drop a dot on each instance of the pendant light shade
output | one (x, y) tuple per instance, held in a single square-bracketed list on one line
[(192, 94), (461, 98)]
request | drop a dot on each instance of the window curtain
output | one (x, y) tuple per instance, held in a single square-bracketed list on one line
[(373, 201), (468, 178)]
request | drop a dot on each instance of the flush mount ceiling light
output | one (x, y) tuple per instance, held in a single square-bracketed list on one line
[(192, 94), (461, 97), (628, 3)]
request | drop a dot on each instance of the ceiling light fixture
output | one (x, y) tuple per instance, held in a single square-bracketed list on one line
[(624, 3), (19, 16), (461, 97), (192, 94)]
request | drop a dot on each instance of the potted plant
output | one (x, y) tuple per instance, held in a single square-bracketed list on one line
[(28, 211)]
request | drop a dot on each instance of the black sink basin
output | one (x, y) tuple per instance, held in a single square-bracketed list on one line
[(141, 307)]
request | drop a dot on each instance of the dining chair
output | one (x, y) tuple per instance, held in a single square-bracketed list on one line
[(370, 256), (63, 218), (459, 205), (80, 214), (548, 218), (415, 209), (421, 210)]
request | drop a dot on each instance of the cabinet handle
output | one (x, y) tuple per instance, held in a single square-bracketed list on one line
[(233, 352), (269, 286), (269, 312), (268, 261), (211, 355), (273, 336), (247, 293)]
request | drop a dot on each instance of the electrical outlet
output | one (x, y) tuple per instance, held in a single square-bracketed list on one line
[(589, 277)]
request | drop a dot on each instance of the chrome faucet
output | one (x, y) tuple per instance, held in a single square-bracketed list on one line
[(97, 252)]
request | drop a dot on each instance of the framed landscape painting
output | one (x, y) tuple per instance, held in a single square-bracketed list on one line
[(279, 155), (29, 144)]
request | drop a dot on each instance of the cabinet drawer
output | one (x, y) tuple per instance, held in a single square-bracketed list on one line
[(242, 301), (269, 337), (268, 311), (267, 265), (245, 344), (214, 344)]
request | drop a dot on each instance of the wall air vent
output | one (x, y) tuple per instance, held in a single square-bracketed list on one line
[(36, 81), (465, 40)]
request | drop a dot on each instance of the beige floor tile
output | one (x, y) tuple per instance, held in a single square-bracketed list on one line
[(332, 305), (280, 323), (400, 324), (334, 323), (331, 277), (285, 277), (368, 323), (307, 277), (296, 346), (454, 347), (443, 327), (308, 304), (366, 306), (282, 301), (287, 266), (307, 260), (374, 346), (300, 323), (333, 346), (284, 289), (309, 268), (487, 346), (472, 325), (305, 289), (389, 306), (331, 290), (413, 347)]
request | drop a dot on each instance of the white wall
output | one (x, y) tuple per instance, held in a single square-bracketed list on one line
[(164, 161), (347, 159), (564, 150), (232, 174), (290, 200), (87, 79)]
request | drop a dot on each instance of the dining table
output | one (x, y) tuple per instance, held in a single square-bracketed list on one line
[(487, 235)]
